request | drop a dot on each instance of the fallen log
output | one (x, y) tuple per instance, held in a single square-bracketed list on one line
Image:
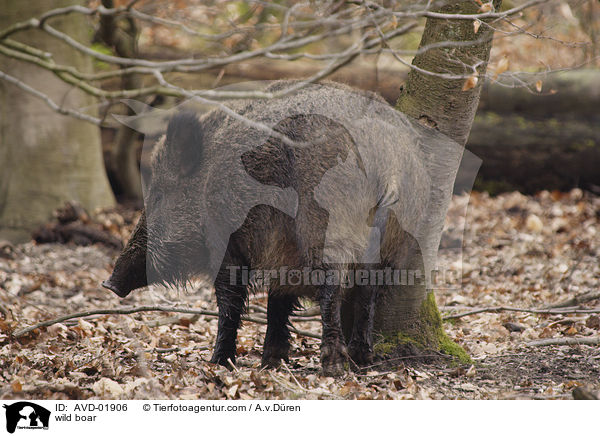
[(530, 155)]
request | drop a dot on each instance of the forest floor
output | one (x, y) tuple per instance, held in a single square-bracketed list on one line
[(515, 251)]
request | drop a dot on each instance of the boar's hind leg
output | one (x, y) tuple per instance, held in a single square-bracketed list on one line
[(277, 339), (231, 299), (360, 347), (333, 350)]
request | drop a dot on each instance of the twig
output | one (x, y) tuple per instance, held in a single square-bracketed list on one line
[(172, 320), (287, 368), (305, 318), (564, 341), (575, 301), (233, 365), (87, 362), (401, 358), (166, 350), (516, 309), (309, 312), (124, 311), (69, 388), (286, 385), (257, 308), (131, 310), (48, 100), (289, 386), (312, 312)]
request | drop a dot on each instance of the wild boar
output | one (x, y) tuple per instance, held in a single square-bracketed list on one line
[(340, 182)]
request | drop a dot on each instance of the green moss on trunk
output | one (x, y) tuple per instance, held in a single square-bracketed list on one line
[(427, 334)]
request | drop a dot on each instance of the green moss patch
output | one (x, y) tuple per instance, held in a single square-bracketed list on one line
[(427, 334)]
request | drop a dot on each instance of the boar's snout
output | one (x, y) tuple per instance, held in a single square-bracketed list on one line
[(108, 284), (130, 268), (129, 274)]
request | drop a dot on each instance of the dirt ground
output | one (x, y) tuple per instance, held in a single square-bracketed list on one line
[(519, 251)]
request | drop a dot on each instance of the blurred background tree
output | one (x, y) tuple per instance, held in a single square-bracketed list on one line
[(46, 158)]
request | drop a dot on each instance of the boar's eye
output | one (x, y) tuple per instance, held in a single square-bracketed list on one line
[(184, 143)]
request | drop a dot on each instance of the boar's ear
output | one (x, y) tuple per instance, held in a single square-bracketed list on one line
[(184, 141)]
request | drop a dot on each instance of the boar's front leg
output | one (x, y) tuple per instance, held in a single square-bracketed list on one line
[(333, 350), (360, 347), (277, 339), (231, 298)]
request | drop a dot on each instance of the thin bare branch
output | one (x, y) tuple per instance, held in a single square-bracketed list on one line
[(343, 21), (287, 42), (46, 99), (575, 301), (130, 310), (497, 309), (564, 341)]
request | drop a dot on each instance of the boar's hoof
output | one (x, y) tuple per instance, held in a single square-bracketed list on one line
[(271, 362), (360, 354), (223, 360), (272, 357), (333, 359)]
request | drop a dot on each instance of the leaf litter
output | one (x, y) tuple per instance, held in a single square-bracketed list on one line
[(510, 250)]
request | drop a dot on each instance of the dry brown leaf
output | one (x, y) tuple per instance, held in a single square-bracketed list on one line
[(504, 263), (232, 391), (534, 224), (476, 25), (546, 333), (107, 388), (571, 331), (4, 326), (593, 322), (486, 7), (16, 386), (470, 83), (538, 86)]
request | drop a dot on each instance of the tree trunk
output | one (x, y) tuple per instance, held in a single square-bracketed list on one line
[(45, 158), (409, 315), (438, 102), (121, 36)]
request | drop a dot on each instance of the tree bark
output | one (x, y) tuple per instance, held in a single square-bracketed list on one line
[(45, 158), (438, 102), (410, 315), (122, 36)]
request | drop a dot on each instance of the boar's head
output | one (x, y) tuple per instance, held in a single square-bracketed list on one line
[(176, 207), (168, 239), (197, 194)]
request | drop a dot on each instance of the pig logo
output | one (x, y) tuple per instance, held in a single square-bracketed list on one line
[(26, 415)]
